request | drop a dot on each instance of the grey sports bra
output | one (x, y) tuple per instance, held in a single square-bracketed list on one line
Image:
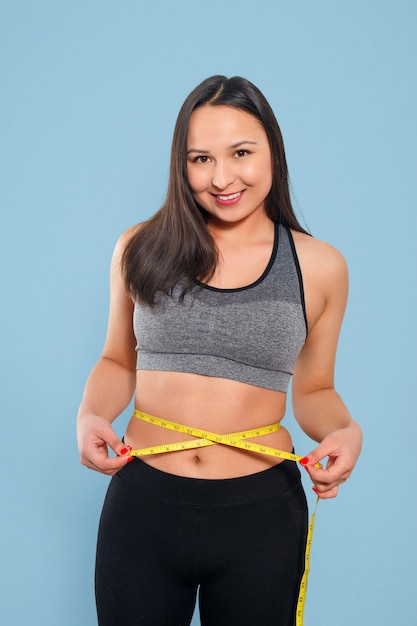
[(251, 334)]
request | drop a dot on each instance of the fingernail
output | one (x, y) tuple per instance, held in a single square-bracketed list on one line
[(130, 459), (124, 450), (315, 490), (304, 461)]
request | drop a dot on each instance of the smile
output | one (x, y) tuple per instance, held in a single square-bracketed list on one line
[(227, 200), (232, 196)]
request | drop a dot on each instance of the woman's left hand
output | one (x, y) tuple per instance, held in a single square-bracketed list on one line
[(342, 447)]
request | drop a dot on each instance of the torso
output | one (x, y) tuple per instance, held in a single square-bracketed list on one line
[(215, 404)]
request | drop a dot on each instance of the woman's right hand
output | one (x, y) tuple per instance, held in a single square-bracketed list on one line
[(112, 381), (95, 436)]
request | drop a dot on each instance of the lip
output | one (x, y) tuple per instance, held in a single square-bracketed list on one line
[(228, 199)]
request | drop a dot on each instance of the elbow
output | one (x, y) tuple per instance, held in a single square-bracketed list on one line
[(120, 361)]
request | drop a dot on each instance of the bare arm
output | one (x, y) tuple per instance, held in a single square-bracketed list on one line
[(318, 408), (111, 384)]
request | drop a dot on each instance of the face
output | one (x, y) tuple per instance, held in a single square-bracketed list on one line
[(229, 163)]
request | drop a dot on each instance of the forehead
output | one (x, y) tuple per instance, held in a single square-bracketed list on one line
[(210, 124)]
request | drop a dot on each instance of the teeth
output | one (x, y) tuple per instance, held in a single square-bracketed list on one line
[(231, 197)]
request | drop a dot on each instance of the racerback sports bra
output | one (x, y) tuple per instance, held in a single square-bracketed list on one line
[(250, 334)]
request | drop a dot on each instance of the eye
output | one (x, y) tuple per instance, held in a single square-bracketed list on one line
[(201, 158), (241, 153)]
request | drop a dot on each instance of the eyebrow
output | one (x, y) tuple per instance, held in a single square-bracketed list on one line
[(234, 145)]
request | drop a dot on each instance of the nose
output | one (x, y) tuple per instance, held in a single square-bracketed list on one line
[(223, 175)]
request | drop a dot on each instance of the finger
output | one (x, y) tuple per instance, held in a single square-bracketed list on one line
[(96, 457), (119, 447), (109, 466), (325, 493), (109, 437), (327, 479), (314, 457), (335, 473), (323, 483)]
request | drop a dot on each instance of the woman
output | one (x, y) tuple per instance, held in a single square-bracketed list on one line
[(229, 297)]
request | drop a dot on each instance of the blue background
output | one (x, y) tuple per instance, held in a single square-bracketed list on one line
[(89, 96)]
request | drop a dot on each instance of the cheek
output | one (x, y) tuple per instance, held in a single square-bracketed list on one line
[(196, 180), (259, 173)]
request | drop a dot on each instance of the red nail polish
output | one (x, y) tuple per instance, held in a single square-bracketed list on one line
[(315, 490), (124, 450), (130, 459), (304, 461)]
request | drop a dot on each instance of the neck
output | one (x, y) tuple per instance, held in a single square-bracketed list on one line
[(252, 228)]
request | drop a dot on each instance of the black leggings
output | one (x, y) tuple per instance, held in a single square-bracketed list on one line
[(239, 541)]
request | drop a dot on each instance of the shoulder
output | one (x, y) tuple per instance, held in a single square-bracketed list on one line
[(127, 236), (122, 242), (318, 257), (325, 277)]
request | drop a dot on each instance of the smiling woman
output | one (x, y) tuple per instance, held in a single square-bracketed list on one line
[(228, 298)]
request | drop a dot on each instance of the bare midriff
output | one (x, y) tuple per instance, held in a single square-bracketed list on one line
[(218, 405)]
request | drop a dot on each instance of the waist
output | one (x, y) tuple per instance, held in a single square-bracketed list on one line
[(197, 453)]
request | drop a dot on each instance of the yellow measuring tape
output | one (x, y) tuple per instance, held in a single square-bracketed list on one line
[(236, 440)]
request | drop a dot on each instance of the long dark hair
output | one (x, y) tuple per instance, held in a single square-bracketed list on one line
[(175, 244)]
